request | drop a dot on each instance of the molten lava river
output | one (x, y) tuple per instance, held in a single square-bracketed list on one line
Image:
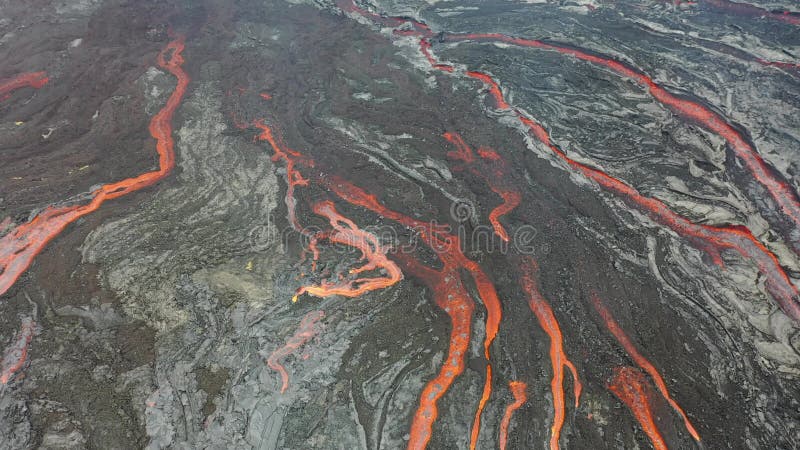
[(349, 224)]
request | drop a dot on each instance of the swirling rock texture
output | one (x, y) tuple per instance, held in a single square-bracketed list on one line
[(387, 224)]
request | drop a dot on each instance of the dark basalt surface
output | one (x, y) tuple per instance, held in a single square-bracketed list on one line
[(165, 317)]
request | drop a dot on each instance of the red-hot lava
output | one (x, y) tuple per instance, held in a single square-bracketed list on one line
[(425, 48), (451, 295), (21, 245), (32, 79), (463, 152), (631, 386), (493, 171), (783, 194), (511, 200), (293, 176), (17, 353), (640, 360), (518, 390), (779, 64), (346, 232), (417, 28), (476, 423), (305, 332), (714, 240), (459, 305), (544, 314), (494, 88), (708, 238)]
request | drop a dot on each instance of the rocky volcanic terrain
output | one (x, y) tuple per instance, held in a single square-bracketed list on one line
[(425, 224)]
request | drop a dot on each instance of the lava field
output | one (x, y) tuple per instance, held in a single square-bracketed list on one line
[(341, 224)]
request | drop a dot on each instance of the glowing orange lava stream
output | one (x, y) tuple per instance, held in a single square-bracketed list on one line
[(492, 175), (347, 232), (783, 194), (451, 295), (511, 200), (16, 354), (632, 388), (305, 332), (713, 240), (293, 176), (449, 291), (425, 47), (640, 360), (518, 390), (544, 314), (708, 238), (32, 79), (21, 245)]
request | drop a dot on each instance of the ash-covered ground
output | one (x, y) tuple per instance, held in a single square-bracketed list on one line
[(388, 224)]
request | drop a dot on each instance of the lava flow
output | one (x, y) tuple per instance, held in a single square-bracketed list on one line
[(21, 245), (32, 79), (711, 239), (518, 390), (451, 295), (640, 360), (16, 354), (346, 232), (425, 47), (493, 172), (305, 332), (511, 200), (419, 28), (293, 176), (544, 314), (783, 194), (779, 64), (707, 238), (494, 88), (632, 388)]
